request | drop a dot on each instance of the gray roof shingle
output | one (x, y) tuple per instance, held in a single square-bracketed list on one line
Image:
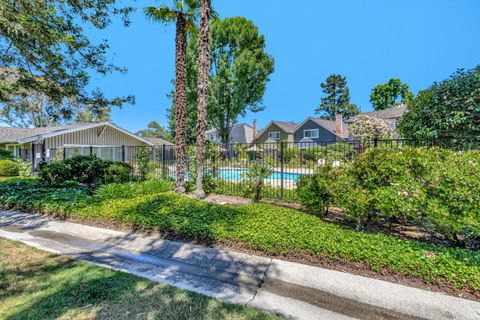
[(288, 127), (394, 112), (9, 134), (331, 126)]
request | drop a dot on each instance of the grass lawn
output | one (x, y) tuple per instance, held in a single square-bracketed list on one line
[(264, 227), (38, 285)]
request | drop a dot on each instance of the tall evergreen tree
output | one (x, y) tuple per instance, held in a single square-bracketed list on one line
[(336, 99)]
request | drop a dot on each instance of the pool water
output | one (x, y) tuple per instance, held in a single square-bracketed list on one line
[(238, 175)]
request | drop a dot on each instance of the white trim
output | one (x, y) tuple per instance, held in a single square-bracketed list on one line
[(81, 128), (272, 132), (316, 131)]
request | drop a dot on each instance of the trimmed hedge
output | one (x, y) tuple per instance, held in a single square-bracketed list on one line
[(84, 169), (268, 228)]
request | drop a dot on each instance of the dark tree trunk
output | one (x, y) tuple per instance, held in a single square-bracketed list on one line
[(203, 73), (180, 100)]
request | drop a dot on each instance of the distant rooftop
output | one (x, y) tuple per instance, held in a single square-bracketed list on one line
[(394, 112)]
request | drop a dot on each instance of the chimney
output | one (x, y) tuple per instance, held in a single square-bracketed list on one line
[(339, 123), (254, 130)]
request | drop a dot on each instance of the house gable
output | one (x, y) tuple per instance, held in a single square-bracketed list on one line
[(270, 131), (323, 135), (102, 135)]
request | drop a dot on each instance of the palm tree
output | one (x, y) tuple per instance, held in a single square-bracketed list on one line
[(184, 13), (203, 72)]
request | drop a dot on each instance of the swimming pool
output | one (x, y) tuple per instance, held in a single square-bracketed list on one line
[(234, 174)]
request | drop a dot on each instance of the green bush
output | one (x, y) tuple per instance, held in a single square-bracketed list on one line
[(24, 168), (118, 172), (429, 187), (8, 168), (5, 154), (82, 169), (316, 191)]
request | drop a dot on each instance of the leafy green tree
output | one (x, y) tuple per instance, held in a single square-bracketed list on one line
[(450, 108), (184, 14), (154, 130), (35, 109), (239, 73), (390, 94), (337, 99), (46, 52)]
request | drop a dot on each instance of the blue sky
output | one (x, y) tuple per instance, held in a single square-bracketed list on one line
[(368, 41)]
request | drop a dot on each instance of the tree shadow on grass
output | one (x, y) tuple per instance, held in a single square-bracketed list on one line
[(86, 291)]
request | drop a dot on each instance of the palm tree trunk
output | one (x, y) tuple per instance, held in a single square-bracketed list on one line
[(203, 72), (180, 100)]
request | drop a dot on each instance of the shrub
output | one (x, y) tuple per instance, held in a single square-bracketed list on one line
[(118, 172), (5, 154), (316, 191), (365, 127), (143, 161), (256, 174), (8, 168), (82, 169), (24, 168), (429, 187), (210, 184)]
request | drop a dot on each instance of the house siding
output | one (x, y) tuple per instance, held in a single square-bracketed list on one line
[(323, 134), (272, 128), (93, 136)]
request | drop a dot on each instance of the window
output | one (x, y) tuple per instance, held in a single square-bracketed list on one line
[(14, 149), (274, 135), (310, 133), (393, 124)]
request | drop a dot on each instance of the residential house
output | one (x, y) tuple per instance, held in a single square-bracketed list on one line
[(277, 131), (392, 115), (240, 133), (103, 139), (315, 131)]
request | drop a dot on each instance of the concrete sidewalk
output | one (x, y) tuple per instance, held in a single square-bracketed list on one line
[(289, 289)]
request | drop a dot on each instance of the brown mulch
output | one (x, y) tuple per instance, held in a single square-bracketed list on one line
[(302, 257)]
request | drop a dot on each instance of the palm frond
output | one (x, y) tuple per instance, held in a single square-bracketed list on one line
[(161, 14)]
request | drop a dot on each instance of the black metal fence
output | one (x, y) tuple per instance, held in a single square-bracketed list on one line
[(228, 169)]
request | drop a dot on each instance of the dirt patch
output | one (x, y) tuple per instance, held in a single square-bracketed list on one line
[(302, 257), (226, 200)]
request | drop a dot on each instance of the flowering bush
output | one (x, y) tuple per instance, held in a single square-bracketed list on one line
[(366, 127), (429, 187)]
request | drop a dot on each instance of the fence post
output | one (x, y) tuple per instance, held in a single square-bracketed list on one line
[(375, 142), (164, 168), (64, 153), (91, 150), (282, 161), (123, 153)]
